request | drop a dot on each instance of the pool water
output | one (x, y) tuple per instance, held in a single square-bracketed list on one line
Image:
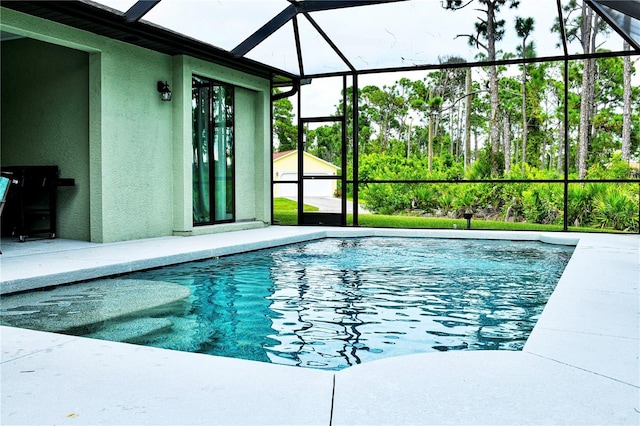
[(333, 303)]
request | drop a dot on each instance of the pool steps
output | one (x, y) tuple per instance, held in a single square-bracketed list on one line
[(136, 330), (88, 306)]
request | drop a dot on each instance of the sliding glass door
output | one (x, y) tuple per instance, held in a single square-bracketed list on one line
[(213, 152)]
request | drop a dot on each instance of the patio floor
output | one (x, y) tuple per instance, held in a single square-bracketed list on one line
[(579, 366)]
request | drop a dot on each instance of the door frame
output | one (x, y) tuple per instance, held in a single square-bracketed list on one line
[(319, 218)]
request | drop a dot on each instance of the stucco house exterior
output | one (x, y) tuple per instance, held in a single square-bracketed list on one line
[(285, 168), (81, 90)]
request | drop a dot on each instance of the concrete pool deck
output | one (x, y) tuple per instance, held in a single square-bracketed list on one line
[(579, 366)]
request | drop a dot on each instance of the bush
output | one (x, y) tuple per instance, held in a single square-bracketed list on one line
[(601, 205), (446, 202), (424, 197), (487, 165), (580, 202), (542, 203), (464, 201), (386, 198), (615, 209)]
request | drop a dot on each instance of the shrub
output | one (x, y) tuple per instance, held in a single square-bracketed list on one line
[(446, 202), (487, 165), (615, 209), (464, 201), (424, 197), (385, 198), (542, 203)]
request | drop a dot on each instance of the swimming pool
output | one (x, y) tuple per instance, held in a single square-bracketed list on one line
[(333, 303)]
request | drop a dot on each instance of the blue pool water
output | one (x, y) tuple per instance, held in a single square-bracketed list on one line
[(333, 303)]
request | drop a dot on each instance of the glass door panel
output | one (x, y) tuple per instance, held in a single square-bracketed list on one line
[(213, 151)]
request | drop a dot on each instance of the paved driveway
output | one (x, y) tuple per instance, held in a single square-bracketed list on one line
[(329, 204)]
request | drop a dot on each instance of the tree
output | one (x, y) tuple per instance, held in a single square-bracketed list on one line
[(425, 102), (509, 108), (524, 27), (467, 119), (325, 142), (382, 108), (538, 137), (626, 110), (284, 130), (449, 83), (489, 30), (609, 117), (585, 28), (433, 106)]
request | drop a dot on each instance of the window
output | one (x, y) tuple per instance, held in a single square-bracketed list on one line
[(213, 152)]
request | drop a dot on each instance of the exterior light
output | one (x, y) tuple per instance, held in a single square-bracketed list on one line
[(468, 215), (165, 92)]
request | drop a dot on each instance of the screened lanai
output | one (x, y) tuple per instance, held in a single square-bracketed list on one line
[(476, 112), (400, 58)]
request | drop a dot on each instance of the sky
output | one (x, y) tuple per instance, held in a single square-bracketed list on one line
[(380, 36), (386, 35)]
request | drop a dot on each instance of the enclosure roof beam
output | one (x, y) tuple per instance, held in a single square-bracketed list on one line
[(625, 25), (139, 9), (296, 7)]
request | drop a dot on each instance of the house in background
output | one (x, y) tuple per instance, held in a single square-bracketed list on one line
[(82, 90), (285, 168)]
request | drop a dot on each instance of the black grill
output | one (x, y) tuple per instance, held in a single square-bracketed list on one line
[(30, 209)]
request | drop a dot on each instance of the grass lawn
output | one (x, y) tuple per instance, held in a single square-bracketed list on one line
[(286, 213), (384, 221)]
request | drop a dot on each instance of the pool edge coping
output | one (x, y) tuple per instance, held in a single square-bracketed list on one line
[(117, 267), (582, 243)]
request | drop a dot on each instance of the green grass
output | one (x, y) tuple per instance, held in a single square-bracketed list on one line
[(384, 221), (285, 218), (286, 213), (287, 205), (413, 222)]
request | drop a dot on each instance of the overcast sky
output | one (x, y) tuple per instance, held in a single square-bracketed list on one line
[(380, 36)]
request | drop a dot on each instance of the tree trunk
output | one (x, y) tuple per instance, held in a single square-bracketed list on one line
[(451, 131), (467, 121), (430, 148), (588, 77), (525, 126), (626, 110), (559, 159), (493, 77), (409, 139), (507, 145), (430, 153), (475, 145), (459, 124), (436, 128), (385, 131)]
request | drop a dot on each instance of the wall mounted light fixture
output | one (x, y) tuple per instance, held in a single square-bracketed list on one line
[(165, 92)]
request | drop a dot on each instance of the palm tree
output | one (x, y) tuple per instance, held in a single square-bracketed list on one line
[(489, 30), (524, 27)]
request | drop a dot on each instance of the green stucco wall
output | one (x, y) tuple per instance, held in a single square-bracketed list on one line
[(137, 155)]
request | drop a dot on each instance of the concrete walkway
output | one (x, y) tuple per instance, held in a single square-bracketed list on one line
[(580, 365)]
